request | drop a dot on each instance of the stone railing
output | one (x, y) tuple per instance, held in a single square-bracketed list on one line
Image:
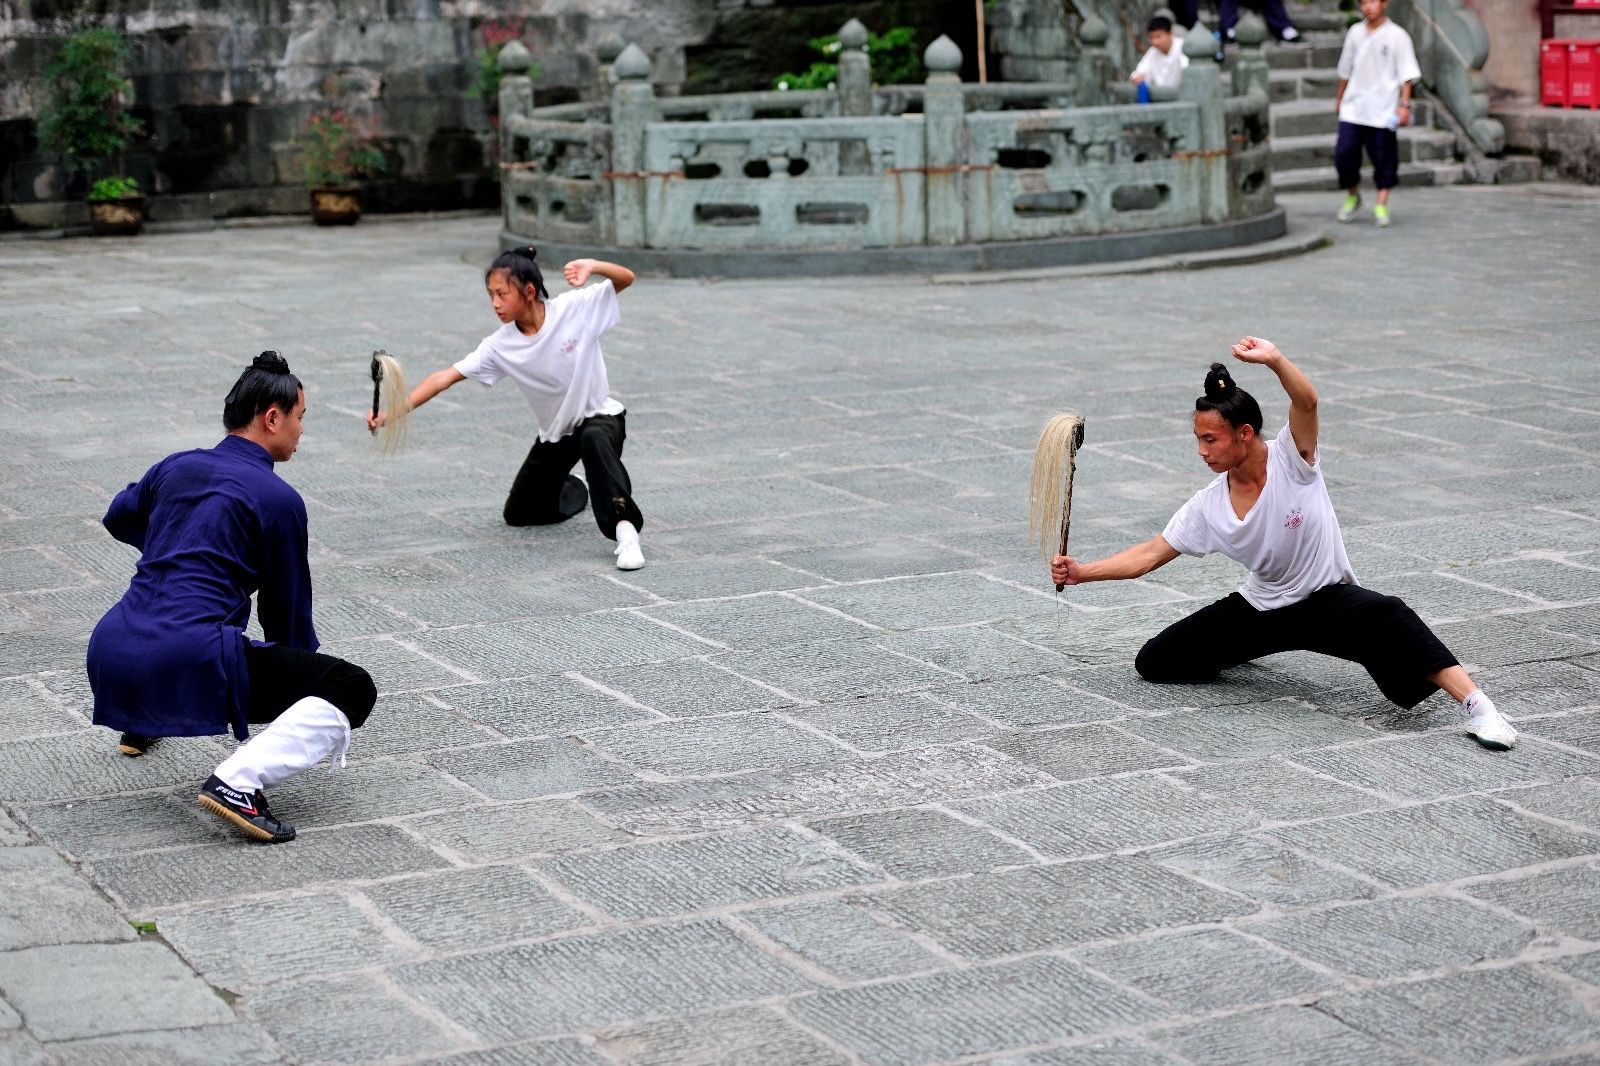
[(1452, 45), (944, 163)]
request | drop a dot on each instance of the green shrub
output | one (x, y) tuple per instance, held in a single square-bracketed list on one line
[(113, 189), (893, 53), (85, 116), (486, 82)]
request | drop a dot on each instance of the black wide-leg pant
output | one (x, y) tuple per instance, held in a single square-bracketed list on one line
[(1346, 621), (280, 677), (536, 494)]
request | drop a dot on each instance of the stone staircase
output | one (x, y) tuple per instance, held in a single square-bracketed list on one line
[(1303, 80), (1304, 77)]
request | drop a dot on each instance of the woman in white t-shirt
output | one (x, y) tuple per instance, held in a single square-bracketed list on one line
[(1268, 509), (551, 349)]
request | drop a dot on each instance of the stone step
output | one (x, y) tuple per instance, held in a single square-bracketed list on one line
[(1314, 54), (1517, 169), (1302, 118), (1326, 179), (1315, 150), (1311, 20), (1302, 84)]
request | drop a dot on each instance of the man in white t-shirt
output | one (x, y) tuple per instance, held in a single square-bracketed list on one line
[(1376, 70), (1268, 508), (1163, 63)]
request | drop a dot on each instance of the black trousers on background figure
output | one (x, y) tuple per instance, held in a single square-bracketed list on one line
[(1348, 622), (536, 494), (1186, 12)]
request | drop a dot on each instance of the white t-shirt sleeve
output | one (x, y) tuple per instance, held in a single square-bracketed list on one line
[(1405, 59), (483, 365), (1347, 54), (1145, 62), (1290, 460), (599, 304), (1188, 531)]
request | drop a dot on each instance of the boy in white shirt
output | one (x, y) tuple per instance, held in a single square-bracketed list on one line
[(551, 349), (1268, 509), (1161, 66), (1376, 70)]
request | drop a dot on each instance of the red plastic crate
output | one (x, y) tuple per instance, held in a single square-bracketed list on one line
[(1583, 73), (1553, 72)]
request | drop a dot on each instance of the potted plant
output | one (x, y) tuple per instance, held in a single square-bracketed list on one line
[(337, 152), (116, 207), (85, 120)]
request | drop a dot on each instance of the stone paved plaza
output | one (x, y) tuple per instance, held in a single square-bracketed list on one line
[(836, 777)]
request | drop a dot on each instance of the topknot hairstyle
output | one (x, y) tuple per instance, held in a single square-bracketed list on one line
[(266, 383), (1224, 396), (520, 264)]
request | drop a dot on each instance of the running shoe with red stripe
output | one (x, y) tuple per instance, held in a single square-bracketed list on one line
[(247, 812)]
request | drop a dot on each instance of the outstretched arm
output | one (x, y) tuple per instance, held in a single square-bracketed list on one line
[(1302, 397), (425, 390), (579, 271), (1136, 561)]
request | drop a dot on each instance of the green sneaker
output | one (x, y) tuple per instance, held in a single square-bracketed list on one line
[(1352, 204), (1380, 212)]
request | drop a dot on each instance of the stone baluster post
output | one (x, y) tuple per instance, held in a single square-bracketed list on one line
[(944, 118), (516, 101), (516, 92), (633, 107), (1094, 62), (606, 50), (1249, 66), (1202, 86), (855, 93)]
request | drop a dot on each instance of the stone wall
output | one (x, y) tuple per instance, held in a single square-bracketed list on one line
[(224, 86)]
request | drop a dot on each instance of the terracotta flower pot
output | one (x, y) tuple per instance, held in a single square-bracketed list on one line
[(336, 206), (122, 217)]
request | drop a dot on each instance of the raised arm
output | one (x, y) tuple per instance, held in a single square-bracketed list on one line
[(1136, 561), (425, 390), (1302, 396), (579, 271)]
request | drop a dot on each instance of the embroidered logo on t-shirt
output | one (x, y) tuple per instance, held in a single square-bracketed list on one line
[(1293, 519), (571, 346)]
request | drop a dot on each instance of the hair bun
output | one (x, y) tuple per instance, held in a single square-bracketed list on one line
[(271, 362), (529, 251), (1219, 383)]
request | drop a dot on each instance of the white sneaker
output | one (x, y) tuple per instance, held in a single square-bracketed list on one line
[(630, 556), (1486, 725), (1289, 35)]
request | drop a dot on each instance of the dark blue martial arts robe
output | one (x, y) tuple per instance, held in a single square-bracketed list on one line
[(212, 526)]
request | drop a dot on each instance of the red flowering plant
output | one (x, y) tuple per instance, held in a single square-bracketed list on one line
[(486, 84), (337, 149)]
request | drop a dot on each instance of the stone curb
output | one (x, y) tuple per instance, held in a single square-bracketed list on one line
[(1007, 256), (205, 225), (1283, 247)]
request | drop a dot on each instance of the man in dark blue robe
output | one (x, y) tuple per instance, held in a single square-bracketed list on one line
[(171, 658)]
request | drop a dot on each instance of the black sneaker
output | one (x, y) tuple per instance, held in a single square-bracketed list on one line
[(134, 745), (247, 812)]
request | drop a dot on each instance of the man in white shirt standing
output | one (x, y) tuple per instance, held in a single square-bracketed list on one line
[(1376, 70), (1161, 66), (1268, 509)]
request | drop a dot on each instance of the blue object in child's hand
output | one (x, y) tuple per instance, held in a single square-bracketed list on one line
[(1144, 92)]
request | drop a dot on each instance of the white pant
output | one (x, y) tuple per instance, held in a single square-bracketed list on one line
[(311, 730)]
